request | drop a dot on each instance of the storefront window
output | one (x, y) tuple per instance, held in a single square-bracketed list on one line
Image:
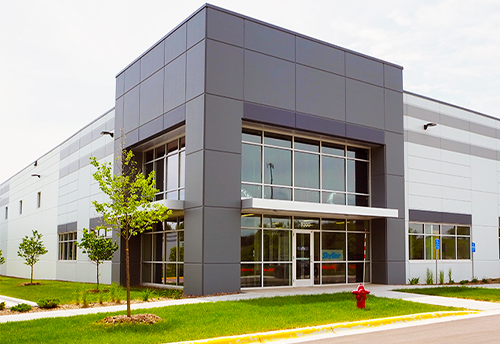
[(454, 241), (267, 256), (163, 253)]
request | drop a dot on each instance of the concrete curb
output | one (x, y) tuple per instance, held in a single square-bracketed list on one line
[(265, 337)]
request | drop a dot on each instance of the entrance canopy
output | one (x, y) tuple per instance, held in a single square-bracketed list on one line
[(279, 207)]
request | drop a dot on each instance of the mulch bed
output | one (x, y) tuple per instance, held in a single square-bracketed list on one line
[(104, 304), (134, 318)]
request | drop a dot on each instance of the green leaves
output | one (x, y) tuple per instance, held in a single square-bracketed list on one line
[(2, 259), (129, 211), (30, 249), (97, 247)]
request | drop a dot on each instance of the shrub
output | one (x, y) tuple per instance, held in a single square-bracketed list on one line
[(441, 276), (147, 294), (114, 293), (463, 282), (2, 306), (100, 296), (84, 297), (172, 293), (414, 280), (428, 276), (450, 280), (48, 303), (21, 307), (475, 280), (485, 280), (177, 294)]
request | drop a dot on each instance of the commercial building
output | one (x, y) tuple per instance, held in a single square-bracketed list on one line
[(278, 154)]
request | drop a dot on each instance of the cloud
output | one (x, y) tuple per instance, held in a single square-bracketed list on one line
[(58, 58)]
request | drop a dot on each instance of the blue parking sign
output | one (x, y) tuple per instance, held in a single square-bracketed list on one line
[(436, 244), (473, 247)]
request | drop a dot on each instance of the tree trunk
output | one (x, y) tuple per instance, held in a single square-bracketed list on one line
[(97, 276), (31, 274), (127, 273)]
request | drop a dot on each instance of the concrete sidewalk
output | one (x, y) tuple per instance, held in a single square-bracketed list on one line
[(375, 289), (12, 301)]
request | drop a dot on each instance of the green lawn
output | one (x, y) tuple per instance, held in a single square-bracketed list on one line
[(64, 291), (208, 320), (462, 292)]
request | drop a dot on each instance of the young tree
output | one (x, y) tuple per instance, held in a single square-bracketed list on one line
[(97, 247), (2, 259), (30, 249), (130, 211)]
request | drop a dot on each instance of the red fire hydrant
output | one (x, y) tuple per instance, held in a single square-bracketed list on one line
[(360, 293)]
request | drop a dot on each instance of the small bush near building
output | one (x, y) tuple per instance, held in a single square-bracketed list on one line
[(441, 277), (414, 280), (21, 307), (147, 294), (48, 303), (464, 282), (114, 293), (429, 279), (2, 306)]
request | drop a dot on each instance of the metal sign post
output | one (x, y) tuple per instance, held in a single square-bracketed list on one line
[(364, 259), (473, 251), (436, 247)]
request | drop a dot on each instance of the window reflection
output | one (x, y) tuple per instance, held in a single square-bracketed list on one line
[(276, 166), (267, 255), (169, 163), (162, 253), (454, 241)]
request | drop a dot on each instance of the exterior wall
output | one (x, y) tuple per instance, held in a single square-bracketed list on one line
[(454, 169), (77, 189), (67, 189), (218, 68)]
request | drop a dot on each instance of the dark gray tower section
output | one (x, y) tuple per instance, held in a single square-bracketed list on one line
[(218, 69)]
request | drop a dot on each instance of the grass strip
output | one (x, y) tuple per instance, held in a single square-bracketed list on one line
[(208, 320), (65, 291), (461, 292)]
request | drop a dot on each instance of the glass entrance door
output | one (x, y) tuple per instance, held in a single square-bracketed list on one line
[(303, 254)]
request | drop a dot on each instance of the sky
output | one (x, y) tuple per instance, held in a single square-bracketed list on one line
[(59, 58)]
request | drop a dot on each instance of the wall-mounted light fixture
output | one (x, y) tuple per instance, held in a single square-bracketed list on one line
[(107, 133), (35, 175), (36, 163), (427, 125)]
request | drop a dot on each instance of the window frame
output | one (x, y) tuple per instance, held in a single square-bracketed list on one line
[(67, 246), (347, 228), (298, 141), (149, 266), (428, 237), (152, 159)]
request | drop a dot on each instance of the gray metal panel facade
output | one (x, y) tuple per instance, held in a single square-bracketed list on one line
[(221, 68)]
